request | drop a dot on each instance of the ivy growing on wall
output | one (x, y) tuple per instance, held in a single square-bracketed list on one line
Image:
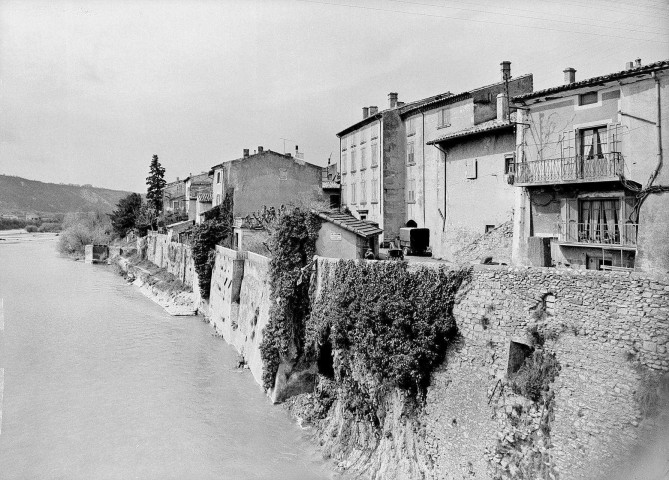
[(215, 230), (292, 245), (386, 324)]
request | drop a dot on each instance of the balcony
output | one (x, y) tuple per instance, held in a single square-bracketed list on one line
[(599, 235), (604, 167)]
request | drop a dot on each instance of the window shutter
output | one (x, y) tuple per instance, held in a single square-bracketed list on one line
[(567, 143), (569, 220), (628, 214)]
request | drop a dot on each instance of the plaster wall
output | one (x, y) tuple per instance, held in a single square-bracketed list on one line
[(327, 246)]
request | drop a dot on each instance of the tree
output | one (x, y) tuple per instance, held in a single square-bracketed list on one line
[(156, 183), (124, 218)]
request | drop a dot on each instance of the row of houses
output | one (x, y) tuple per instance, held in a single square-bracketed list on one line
[(575, 171), (577, 168)]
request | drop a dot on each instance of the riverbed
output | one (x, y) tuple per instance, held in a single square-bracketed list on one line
[(101, 383)]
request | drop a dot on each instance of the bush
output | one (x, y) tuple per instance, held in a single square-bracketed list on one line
[(533, 379), (81, 229), (50, 227), (31, 228)]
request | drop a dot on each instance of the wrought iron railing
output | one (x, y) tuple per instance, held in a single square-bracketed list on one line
[(579, 168), (599, 233)]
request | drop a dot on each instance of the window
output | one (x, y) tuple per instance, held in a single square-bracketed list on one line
[(353, 199), (283, 174), (375, 190), (509, 164), (410, 154), (363, 192), (587, 98), (518, 353), (411, 126), (599, 221), (352, 141), (471, 166), (363, 136), (591, 142), (411, 193), (375, 154), (344, 191), (343, 162), (489, 228), (444, 119), (353, 165), (218, 199), (363, 158)]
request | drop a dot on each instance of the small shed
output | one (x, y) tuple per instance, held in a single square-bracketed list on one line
[(344, 236), (178, 231)]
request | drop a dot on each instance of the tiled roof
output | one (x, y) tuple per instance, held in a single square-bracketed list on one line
[(267, 151), (362, 228), (490, 126), (596, 80), (204, 197), (330, 184)]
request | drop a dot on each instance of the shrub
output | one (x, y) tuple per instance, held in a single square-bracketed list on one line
[(215, 230), (31, 228), (533, 379), (50, 227), (81, 229)]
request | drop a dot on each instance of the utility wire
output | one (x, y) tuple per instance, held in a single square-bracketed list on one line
[(361, 7), (523, 16)]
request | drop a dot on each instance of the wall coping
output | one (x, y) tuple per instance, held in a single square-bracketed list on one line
[(230, 253), (257, 258)]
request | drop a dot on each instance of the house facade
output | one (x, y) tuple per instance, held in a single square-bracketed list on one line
[(265, 178), (193, 186), (589, 176), (174, 198), (459, 149)]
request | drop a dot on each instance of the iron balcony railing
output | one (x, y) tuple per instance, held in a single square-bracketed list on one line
[(599, 233), (605, 166)]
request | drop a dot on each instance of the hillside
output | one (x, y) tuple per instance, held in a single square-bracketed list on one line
[(20, 195)]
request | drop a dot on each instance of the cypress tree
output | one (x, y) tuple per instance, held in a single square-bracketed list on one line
[(156, 184)]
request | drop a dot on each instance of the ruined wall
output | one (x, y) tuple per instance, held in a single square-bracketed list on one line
[(239, 302), (608, 329), (176, 258)]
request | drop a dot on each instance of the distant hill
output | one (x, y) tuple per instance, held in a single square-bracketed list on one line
[(20, 195)]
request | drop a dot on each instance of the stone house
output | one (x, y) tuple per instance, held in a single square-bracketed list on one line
[(330, 182), (589, 175), (265, 178), (345, 236), (193, 186), (174, 198), (394, 169)]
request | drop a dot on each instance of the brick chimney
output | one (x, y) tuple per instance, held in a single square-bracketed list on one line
[(392, 100), (260, 149), (373, 110), (569, 75), (365, 112), (246, 152), (506, 70)]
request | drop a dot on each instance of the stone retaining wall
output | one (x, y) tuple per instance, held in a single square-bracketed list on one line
[(176, 258)]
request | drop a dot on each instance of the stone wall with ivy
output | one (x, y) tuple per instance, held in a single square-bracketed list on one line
[(589, 350)]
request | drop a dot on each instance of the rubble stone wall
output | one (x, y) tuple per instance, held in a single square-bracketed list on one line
[(176, 258)]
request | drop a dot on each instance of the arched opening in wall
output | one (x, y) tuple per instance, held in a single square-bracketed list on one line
[(325, 361), (411, 224), (518, 353)]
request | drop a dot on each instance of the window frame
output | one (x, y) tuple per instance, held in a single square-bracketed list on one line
[(411, 154)]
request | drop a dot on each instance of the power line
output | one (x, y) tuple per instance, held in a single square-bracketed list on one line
[(481, 21), (521, 16)]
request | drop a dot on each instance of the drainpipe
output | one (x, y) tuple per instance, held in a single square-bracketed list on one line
[(443, 229), (341, 197), (658, 125), (422, 147), (382, 198)]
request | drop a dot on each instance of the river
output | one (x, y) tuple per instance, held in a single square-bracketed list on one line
[(101, 383)]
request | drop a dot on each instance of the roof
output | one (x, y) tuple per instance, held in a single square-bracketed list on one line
[(348, 222), (204, 197), (484, 127), (264, 152), (200, 178), (330, 184), (178, 225), (596, 80)]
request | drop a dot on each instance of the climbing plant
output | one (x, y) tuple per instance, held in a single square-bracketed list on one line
[(385, 323), (215, 230), (292, 245)]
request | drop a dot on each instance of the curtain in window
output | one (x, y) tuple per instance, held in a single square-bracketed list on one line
[(599, 221)]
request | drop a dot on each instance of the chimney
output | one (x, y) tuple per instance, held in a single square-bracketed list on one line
[(400, 104), (506, 70), (502, 107), (629, 65), (365, 112), (569, 75), (392, 100), (297, 149), (260, 149), (373, 110), (637, 63), (246, 152)]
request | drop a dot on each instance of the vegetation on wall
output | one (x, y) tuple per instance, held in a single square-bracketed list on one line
[(215, 230), (382, 326), (292, 245)]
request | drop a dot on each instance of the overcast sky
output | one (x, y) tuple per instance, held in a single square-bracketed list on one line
[(89, 91)]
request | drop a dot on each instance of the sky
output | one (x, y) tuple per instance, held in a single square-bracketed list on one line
[(90, 91)]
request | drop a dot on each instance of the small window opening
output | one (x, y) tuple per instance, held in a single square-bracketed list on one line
[(489, 228), (587, 98)]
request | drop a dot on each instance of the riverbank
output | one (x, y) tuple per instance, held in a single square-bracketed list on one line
[(158, 285), (21, 236)]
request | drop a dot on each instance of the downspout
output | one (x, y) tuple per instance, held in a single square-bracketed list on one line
[(443, 228), (382, 166), (341, 196), (422, 147), (658, 125)]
